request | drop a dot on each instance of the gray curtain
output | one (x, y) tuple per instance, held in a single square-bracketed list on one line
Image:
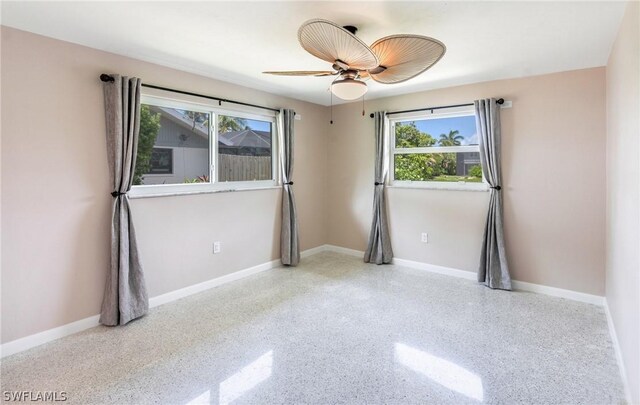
[(493, 269), (289, 246), (379, 247), (125, 294)]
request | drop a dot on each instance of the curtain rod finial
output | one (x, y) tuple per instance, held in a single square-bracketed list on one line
[(371, 115), (106, 78), (500, 101)]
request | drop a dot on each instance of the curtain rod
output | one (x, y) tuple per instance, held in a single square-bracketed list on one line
[(499, 101), (108, 78)]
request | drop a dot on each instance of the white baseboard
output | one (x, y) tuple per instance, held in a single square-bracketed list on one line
[(616, 348), (313, 251), (558, 292), (432, 268), (37, 339), (346, 251), (468, 275), (215, 282), (517, 285), (40, 338)]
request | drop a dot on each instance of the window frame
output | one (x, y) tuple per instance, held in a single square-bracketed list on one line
[(432, 185), (156, 190)]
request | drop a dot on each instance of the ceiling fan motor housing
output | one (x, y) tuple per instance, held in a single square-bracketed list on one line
[(349, 74), (352, 29)]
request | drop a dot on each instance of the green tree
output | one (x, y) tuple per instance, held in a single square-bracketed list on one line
[(415, 167), (225, 122), (149, 127), (448, 163), (409, 136), (228, 124), (197, 118), (475, 171), (451, 139)]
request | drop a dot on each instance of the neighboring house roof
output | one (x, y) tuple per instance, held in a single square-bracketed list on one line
[(247, 138), (225, 142), (182, 120)]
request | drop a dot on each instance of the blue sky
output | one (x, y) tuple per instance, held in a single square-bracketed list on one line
[(259, 125), (466, 125), (253, 124)]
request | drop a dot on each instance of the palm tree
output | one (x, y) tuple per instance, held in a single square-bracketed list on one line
[(452, 139), (225, 123), (197, 118)]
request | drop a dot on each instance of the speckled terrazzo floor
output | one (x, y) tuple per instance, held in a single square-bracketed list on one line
[(335, 330)]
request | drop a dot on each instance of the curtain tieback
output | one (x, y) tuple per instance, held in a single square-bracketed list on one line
[(496, 188), (289, 183), (116, 194)]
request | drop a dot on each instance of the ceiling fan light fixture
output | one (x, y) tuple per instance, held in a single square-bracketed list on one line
[(348, 89)]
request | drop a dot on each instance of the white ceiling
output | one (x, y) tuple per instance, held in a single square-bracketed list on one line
[(236, 41)]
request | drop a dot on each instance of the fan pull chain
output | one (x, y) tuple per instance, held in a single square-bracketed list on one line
[(331, 106), (363, 105)]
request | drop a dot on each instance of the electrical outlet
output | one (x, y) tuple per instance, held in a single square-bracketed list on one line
[(217, 247), (424, 237)]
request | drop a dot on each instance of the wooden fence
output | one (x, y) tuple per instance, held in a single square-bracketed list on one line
[(244, 168)]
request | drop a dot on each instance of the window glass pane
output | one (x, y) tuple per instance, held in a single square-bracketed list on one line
[(444, 167), (161, 161), (449, 131), (173, 146), (244, 149)]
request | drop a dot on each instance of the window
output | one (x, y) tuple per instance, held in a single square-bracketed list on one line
[(244, 149), (435, 151), (189, 147), (161, 161)]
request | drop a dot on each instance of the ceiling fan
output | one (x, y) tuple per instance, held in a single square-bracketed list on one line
[(392, 59)]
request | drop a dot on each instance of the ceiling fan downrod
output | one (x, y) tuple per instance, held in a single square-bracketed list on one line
[(351, 29)]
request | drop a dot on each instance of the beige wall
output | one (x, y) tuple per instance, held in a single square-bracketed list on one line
[(623, 192), (554, 177), (55, 192), (55, 203)]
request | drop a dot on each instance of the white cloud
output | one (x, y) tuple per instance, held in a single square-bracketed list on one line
[(471, 140)]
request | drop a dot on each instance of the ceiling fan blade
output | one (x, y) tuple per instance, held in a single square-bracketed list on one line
[(302, 73), (330, 42), (405, 56)]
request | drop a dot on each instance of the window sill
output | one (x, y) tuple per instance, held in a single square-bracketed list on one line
[(441, 186), (136, 194)]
